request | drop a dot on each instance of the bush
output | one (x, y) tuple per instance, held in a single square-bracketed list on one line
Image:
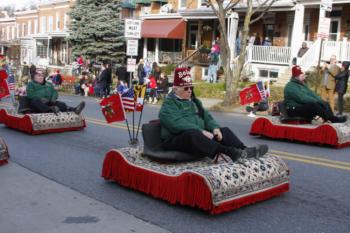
[(209, 90), (168, 68)]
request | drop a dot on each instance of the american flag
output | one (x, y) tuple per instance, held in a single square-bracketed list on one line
[(261, 88), (128, 100), (11, 83)]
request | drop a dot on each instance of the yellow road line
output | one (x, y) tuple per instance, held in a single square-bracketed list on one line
[(310, 157), (314, 162)]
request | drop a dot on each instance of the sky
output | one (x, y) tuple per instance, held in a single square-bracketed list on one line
[(18, 4)]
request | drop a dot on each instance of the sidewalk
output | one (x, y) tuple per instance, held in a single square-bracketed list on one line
[(30, 203)]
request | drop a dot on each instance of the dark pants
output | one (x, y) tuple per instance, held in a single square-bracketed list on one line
[(310, 110), (340, 103), (194, 142), (258, 107), (40, 107)]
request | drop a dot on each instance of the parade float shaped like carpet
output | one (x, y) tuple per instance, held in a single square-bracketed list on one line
[(332, 134), (213, 187), (43, 122), (4, 153)]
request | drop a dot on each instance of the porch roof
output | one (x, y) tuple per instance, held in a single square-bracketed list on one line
[(163, 28)]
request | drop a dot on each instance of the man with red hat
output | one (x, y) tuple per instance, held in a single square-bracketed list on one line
[(186, 126), (301, 101)]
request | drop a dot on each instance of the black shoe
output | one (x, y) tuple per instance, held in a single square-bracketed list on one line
[(233, 153), (254, 152), (78, 109), (338, 119)]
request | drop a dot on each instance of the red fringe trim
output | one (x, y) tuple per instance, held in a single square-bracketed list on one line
[(3, 162), (324, 134), (186, 189), (24, 124)]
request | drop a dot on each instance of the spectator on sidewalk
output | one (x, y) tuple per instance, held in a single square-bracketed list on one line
[(342, 86), (328, 81), (303, 49)]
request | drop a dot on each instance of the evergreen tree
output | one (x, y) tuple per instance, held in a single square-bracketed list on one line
[(98, 30)]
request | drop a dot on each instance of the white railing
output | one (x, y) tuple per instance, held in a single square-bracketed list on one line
[(270, 55), (310, 58), (341, 49)]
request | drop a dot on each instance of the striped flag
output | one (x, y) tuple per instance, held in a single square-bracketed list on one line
[(261, 89), (128, 100), (11, 82)]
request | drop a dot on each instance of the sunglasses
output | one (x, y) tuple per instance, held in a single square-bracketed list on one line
[(188, 88)]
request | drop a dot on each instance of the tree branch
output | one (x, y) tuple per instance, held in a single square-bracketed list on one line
[(231, 5), (262, 13), (262, 5)]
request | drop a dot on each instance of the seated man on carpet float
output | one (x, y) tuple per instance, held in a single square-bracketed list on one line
[(300, 101), (42, 97), (187, 127)]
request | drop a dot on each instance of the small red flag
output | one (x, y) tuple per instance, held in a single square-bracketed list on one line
[(250, 95), (112, 108), (4, 89), (3, 74)]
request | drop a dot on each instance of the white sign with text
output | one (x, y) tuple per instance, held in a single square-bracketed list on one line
[(323, 27), (132, 28), (131, 65), (132, 47)]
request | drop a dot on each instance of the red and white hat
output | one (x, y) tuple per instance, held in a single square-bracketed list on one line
[(296, 71), (182, 77)]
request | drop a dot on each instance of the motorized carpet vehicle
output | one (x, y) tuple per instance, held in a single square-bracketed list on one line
[(331, 134), (40, 123), (213, 186)]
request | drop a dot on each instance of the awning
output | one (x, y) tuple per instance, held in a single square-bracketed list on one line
[(163, 28)]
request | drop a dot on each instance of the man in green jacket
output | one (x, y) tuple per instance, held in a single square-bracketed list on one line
[(43, 96), (186, 126), (300, 101)]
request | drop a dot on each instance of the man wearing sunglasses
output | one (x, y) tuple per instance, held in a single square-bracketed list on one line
[(186, 126)]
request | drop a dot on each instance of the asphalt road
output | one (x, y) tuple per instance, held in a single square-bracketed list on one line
[(319, 199)]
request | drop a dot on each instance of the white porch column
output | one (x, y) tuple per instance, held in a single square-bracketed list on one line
[(48, 51), (2, 50), (232, 34), (156, 59), (297, 35), (145, 50)]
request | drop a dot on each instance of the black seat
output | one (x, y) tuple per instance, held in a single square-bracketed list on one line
[(284, 118), (153, 145)]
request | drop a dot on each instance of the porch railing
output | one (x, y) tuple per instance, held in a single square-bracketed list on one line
[(270, 55), (165, 57), (339, 48)]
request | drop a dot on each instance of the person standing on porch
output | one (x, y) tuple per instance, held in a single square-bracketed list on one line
[(328, 81), (303, 49)]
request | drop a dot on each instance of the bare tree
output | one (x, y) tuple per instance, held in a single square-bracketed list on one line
[(255, 10)]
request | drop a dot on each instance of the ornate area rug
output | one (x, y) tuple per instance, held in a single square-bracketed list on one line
[(213, 187), (333, 134), (4, 153), (43, 122)]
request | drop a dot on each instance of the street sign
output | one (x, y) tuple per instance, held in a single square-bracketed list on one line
[(132, 28), (132, 47), (323, 27), (326, 5), (131, 65)]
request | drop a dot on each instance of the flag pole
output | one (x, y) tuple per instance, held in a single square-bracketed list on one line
[(143, 102), (127, 125)]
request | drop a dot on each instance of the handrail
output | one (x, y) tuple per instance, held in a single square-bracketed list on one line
[(188, 57), (310, 58)]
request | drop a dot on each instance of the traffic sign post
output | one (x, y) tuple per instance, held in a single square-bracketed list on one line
[(132, 28), (132, 47)]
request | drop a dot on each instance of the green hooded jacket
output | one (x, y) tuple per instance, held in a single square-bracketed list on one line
[(177, 115), (45, 91), (297, 94)]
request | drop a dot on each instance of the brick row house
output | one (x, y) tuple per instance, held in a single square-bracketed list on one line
[(8, 41), (41, 34), (173, 30)]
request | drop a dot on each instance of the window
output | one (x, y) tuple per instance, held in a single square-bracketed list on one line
[(50, 23), (17, 30), (43, 24), (182, 3), (57, 21), (266, 73), (65, 21), (29, 27), (13, 32), (23, 29), (35, 26), (41, 48)]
